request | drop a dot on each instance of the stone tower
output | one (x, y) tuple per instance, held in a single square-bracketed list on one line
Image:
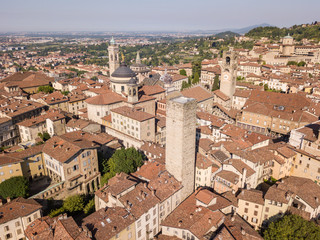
[(181, 141), (138, 60), (113, 50), (133, 91), (229, 73)]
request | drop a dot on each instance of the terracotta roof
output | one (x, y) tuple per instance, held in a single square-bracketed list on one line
[(28, 79), (107, 223), (252, 195), (53, 115), (133, 113), (198, 93), (205, 144), (105, 99), (235, 228), (151, 90), (62, 150), (18, 207), (56, 228), (229, 176), (202, 162), (6, 159), (221, 95), (196, 219), (305, 188)]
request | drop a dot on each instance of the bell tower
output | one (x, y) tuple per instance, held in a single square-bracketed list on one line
[(113, 50), (229, 73)]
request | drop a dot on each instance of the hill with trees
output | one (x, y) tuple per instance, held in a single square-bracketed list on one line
[(298, 32)]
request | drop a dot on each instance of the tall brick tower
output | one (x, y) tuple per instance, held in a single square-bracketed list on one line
[(113, 51), (229, 73), (181, 141)]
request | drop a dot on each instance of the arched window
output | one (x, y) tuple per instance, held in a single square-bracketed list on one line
[(129, 91), (111, 57), (228, 60), (134, 92)]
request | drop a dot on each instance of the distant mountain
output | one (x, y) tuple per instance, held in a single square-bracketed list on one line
[(247, 29), (226, 34), (234, 30)]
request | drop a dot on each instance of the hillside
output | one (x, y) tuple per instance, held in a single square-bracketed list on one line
[(298, 32), (227, 34)]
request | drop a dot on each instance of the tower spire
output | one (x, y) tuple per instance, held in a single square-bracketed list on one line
[(138, 60), (112, 41)]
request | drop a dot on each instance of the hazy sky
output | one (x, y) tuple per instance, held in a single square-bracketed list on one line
[(138, 15)]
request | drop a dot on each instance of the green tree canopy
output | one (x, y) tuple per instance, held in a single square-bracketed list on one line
[(196, 78), (89, 208), (74, 203), (123, 160), (216, 84), (46, 89), (292, 227), (183, 72), (44, 136), (14, 187)]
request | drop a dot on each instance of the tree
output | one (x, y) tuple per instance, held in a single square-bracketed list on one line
[(56, 212), (196, 68), (183, 72), (14, 187), (44, 136), (292, 227), (46, 89), (290, 63), (94, 78), (301, 64), (196, 78), (215, 85), (89, 208), (74, 203), (125, 160), (185, 85)]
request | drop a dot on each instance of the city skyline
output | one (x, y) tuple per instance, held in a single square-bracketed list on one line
[(144, 15)]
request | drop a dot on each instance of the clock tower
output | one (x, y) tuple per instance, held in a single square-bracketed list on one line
[(229, 73)]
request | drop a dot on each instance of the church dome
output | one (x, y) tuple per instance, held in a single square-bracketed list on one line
[(123, 72)]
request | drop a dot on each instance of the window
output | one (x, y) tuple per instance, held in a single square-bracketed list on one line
[(98, 113), (154, 221), (147, 217), (154, 211), (254, 220), (246, 210), (255, 213), (256, 206), (245, 217), (139, 223), (11, 171), (6, 228), (29, 219), (8, 236), (267, 209), (75, 167), (88, 153), (85, 163), (35, 216), (17, 224), (247, 204), (19, 231), (139, 234), (129, 235)]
